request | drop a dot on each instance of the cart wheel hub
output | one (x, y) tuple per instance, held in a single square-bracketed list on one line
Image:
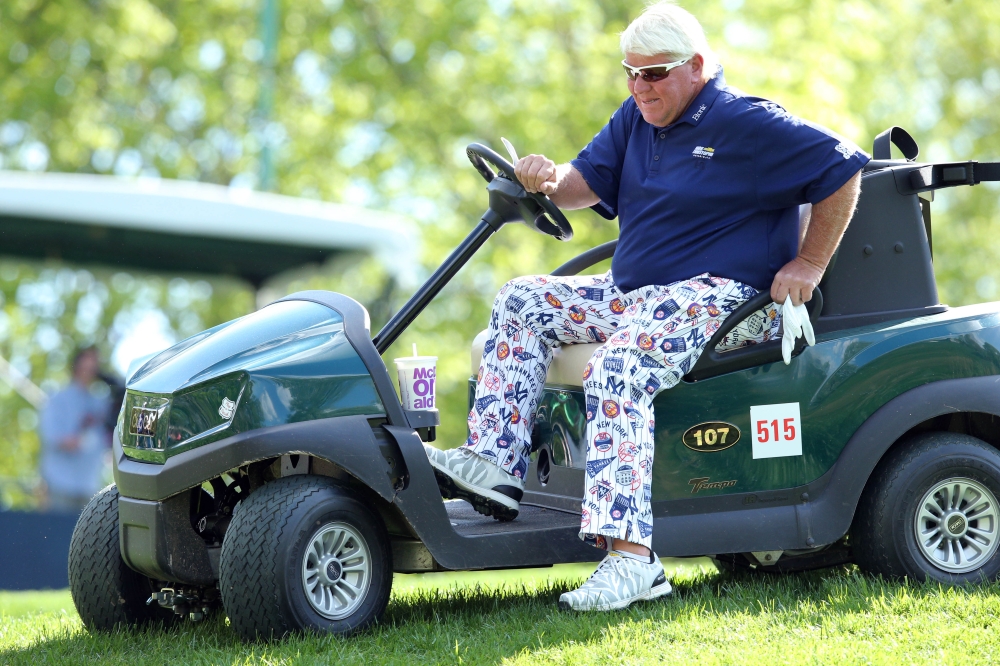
[(957, 525), (336, 570), (333, 571)]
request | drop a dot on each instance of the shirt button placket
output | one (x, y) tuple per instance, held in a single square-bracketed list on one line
[(654, 167)]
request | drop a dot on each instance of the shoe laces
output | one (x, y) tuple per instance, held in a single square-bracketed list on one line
[(610, 566)]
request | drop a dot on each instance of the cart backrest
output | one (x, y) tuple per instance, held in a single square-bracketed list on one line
[(883, 269)]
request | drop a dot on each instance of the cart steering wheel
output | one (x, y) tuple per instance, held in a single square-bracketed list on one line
[(534, 208)]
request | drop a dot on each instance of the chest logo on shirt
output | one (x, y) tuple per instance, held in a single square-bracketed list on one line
[(703, 152)]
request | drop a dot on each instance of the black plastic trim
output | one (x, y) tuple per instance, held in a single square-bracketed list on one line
[(583, 261), (347, 441), (842, 322), (420, 502), (886, 244), (929, 177), (926, 177), (157, 539), (423, 418), (357, 328), (563, 490), (713, 363), (901, 138)]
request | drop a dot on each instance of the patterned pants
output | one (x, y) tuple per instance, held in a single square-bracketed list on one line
[(651, 337)]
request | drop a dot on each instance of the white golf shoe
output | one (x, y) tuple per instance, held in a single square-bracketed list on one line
[(617, 582), (461, 474)]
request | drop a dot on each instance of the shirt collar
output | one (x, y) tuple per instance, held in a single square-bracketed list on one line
[(698, 108)]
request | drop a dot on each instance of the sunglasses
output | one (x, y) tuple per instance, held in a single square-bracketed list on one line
[(651, 73)]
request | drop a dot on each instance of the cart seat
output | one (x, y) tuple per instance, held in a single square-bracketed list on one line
[(568, 361)]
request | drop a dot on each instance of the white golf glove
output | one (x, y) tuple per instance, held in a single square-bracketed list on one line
[(795, 319)]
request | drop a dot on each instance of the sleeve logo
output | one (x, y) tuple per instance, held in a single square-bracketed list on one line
[(844, 150)]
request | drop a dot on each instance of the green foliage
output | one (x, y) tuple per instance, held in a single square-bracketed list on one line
[(47, 312), (374, 103), (834, 616)]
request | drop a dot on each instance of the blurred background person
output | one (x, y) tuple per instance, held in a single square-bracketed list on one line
[(75, 436)]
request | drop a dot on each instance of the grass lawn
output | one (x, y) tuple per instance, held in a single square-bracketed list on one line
[(836, 616)]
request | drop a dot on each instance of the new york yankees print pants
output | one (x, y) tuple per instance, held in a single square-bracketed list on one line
[(650, 338)]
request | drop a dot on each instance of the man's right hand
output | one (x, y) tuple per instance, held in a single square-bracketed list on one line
[(537, 173)]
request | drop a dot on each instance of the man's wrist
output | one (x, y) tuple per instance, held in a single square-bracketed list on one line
[(819, 266), (562, 170)]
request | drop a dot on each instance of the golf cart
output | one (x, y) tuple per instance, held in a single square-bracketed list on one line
[(267, 464)]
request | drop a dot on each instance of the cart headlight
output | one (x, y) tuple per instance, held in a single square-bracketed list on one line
[(143, 426), (151, 423)]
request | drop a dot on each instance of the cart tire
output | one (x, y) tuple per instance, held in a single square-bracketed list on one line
[(282, 539), (930, 512), (106, 592)]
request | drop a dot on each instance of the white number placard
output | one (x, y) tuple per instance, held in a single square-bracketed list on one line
[(776, 430)]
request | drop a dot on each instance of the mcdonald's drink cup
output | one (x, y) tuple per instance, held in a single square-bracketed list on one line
[(416, 381)]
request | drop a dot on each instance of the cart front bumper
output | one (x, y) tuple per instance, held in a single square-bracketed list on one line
[(158, 541)]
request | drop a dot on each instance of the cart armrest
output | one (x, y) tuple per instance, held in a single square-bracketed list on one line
[(713, 362)]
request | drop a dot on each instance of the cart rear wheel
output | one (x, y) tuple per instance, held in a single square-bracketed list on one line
[(301, 553), (930, 512), (106, 592)]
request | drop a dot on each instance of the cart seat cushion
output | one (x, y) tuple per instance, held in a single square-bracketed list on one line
[(568, 361)]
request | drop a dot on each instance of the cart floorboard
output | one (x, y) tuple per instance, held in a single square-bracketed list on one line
[(468, 523)]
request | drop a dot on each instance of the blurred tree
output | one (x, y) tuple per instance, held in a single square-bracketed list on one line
[(374, 102), (46, 313)]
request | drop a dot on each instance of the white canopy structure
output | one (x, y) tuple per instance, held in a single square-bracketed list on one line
[(181, 227)]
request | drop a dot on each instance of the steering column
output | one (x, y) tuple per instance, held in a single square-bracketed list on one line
[(509, 202)]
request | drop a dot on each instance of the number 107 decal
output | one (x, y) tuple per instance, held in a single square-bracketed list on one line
[(777, 430), (711, 436)]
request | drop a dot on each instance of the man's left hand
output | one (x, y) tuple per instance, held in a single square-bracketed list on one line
[(824, 228), (798, 277)]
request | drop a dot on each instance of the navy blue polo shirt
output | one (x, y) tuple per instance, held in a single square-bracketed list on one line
[(715, 192)]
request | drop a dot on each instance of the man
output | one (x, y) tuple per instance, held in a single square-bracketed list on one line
[(75, 437), (706, 182)]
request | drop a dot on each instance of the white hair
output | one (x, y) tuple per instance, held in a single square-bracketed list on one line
[(664, 28)]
